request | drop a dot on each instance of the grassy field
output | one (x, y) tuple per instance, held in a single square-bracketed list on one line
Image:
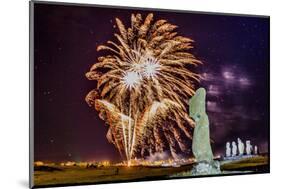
[(259, 163), (57, 175)]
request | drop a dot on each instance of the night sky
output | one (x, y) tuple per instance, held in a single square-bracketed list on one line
[(234, 50)]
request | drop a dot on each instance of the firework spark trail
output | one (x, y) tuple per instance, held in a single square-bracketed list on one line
[(143, 87), (124, 136)]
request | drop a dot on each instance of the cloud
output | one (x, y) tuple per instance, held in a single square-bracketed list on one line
[(213, 106), (229, 76), (214, 90), (244, 81)]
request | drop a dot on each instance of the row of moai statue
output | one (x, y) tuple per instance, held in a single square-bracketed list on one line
[(240, 150)]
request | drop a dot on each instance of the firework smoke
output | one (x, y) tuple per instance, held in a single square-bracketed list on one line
[(143, 87)]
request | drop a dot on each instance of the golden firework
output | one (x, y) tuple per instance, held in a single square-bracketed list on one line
[(143, 87)]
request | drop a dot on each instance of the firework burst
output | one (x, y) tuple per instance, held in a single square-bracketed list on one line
[(143, 87)]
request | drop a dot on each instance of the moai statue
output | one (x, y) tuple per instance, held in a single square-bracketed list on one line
[(201, 146), (256, 150), (241, 147), (234, 149), (249, 147), (228, 150)]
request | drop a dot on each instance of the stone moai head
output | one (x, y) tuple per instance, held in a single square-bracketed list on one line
[(197, 103), (228, 144)]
